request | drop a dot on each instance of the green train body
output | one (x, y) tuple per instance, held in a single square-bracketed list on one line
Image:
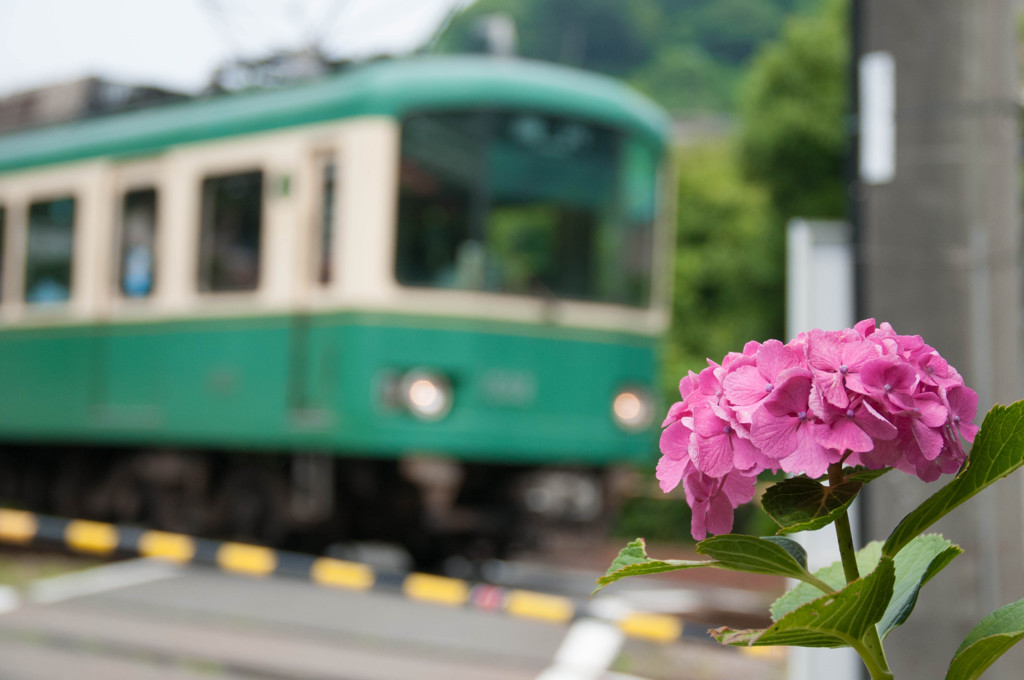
[(242, 384), (286, 274)]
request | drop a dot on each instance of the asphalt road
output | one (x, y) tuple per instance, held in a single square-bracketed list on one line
[(138, 620)]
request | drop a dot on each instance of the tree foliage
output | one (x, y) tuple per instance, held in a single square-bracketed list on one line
[(734, 201), (792, 132), (728, 261), (686, 54)]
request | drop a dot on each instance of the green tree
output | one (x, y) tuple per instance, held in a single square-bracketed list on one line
[(727, 272), (686, 54), (608, 36), (685, 78), (734, 200), (792, 132), (732, 30)]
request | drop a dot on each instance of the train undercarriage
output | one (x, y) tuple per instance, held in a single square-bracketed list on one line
[(434, 507)]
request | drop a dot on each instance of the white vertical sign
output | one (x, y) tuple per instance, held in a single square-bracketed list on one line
[(820, 294), (819, 276), (877, 81)]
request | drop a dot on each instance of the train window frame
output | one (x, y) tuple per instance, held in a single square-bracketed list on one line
[(203, 285), (323, 262), (591, 285), (126, 272), (74, 243)]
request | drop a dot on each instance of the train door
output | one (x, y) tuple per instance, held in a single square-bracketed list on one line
[(128, 391), (315, 342)]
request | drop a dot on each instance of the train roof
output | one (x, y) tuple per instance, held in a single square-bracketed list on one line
[(389, 88)]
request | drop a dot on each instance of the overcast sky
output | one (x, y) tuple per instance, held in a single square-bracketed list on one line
[(177, 43)]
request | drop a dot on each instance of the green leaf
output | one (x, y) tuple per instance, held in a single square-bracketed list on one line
[(916, 564), (924, 557), (836, 620), (998, 451), (801, 594), (995, 634), (802, 504), (864, 475), (790, 546), (779, 556), (633, 561)]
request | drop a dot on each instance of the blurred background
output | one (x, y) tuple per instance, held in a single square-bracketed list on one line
[(648, 230)]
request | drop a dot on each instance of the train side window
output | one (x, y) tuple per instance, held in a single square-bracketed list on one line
[(328, 184), (138, 236), (229, 245), (50, 248)]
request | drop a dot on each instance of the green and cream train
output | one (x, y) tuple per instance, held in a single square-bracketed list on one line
[(416, 300)]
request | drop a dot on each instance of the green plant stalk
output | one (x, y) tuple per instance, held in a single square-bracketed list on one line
[(843, 532), (873, 656), (817, 583), (870, 647)]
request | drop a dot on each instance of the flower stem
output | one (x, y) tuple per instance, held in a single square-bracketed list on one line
[(870, 651), (843, 532), (870, 648)]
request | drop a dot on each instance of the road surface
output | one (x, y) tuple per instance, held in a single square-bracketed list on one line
[(141, 619)]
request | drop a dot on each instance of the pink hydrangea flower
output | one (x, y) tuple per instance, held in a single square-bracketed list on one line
[(713, 500), (747, 386), (862, 396), (785, 429)]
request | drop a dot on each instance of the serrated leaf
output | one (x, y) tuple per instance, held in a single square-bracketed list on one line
[(987, 641), (998, 451), (802, 504), (801, 594), (633, 561), (836, 620), (739, 552), (924, 557), (916, 564)]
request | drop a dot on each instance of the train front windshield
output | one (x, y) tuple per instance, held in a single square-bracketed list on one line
[(526, 204)]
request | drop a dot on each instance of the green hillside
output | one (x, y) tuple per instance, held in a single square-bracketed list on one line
[(689, 55)]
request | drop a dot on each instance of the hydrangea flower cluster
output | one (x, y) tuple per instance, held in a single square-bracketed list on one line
[(861, 396)]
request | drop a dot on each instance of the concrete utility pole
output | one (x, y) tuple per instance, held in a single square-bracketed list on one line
[(938, 227)]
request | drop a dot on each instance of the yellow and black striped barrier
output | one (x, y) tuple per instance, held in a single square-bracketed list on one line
[(20, 527)]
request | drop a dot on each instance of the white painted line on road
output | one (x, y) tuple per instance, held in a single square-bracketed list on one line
[(589, 648), (100, 579), (9, 599)]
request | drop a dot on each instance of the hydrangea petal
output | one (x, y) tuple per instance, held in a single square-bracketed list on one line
[(746, 385), (844, 435), (675, 441), (776, 436), (809, 457), (714, 455), (670, 472), (719, 515)]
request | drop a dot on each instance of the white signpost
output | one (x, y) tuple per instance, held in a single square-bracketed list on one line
[(820, 294)]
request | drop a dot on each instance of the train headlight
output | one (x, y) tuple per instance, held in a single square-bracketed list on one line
[(428, 396), (633, 409)]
